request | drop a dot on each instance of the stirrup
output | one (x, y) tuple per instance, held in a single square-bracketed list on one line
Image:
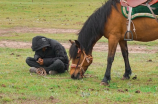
[(128, 36)]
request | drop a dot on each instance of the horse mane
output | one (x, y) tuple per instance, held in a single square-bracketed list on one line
[(93, 28)]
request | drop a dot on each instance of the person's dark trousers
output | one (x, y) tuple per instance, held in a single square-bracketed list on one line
[(58, 65)]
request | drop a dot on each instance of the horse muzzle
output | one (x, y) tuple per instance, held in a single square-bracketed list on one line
[(76, 76)]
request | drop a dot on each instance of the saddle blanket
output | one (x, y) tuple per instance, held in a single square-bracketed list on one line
[(140, 11)]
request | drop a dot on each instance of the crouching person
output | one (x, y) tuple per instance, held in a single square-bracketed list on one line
[(49, 54)]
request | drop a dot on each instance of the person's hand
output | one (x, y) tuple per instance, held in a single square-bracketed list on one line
[(40, 61)]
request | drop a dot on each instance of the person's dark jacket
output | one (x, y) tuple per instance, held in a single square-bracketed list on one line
[(53, 52)]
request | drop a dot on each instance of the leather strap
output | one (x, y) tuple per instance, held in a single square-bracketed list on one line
[(151, 11)]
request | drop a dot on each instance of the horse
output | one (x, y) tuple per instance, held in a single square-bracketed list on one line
[(108, 21)]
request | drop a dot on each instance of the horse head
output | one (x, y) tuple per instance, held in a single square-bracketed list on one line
[(80, 60)]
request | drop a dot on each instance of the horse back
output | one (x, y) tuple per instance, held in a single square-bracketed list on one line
[(116, 25)]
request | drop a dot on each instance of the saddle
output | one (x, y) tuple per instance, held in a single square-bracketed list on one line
[(134, 3)]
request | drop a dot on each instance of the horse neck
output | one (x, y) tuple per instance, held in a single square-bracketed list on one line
[(92, 45)]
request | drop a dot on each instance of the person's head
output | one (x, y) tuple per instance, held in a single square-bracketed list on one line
[(40, 42)]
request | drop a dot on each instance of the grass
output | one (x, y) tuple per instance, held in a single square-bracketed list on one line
[(18, 86), (48, 13), (27, 37)]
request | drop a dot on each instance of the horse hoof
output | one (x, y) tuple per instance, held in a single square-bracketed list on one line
[(105, 84)]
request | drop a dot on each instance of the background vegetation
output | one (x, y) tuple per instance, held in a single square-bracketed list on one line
[(18, 86), (47, 13)]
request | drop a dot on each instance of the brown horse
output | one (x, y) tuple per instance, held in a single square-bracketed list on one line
[(109, 22)]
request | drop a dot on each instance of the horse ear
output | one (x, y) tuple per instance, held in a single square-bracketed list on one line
[(77, 43), (71, 41)]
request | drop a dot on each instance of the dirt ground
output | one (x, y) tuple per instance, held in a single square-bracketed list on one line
[(97, 47), (36, 30)]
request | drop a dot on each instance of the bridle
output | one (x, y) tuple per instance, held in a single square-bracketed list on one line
[(88, 58)]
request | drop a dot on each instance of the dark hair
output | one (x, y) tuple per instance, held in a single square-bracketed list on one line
[(93, 28)]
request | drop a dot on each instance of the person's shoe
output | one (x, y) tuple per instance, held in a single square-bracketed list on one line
[(52, 72), (32, 70)]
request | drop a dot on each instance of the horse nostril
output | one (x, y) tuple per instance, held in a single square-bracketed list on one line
[(75, 77), (72, 76)]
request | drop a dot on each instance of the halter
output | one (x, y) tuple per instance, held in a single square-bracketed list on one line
[(86, 57)]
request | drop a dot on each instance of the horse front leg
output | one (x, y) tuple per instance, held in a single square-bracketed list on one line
[(112, 45), (124, 50)]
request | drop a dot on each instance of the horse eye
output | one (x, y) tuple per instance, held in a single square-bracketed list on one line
[(78, 57)]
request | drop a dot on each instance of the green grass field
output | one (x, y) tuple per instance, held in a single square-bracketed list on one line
[(47, 13), (17, 86)]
